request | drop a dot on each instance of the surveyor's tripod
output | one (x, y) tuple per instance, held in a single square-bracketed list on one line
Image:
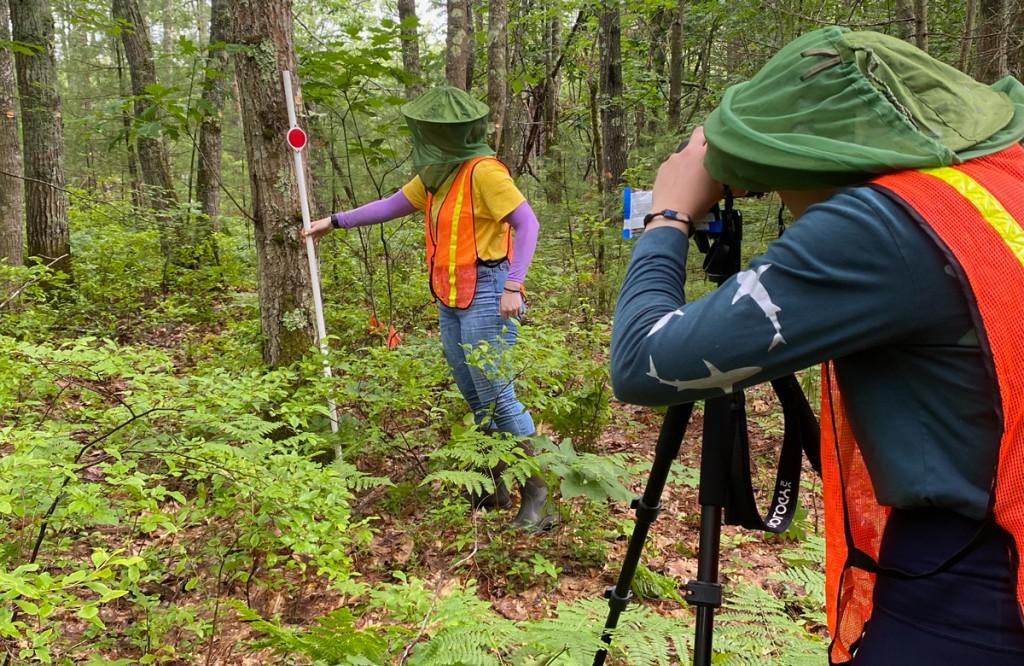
[(725, 484)]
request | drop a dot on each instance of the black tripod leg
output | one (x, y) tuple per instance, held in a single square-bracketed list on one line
[(721, 424), (647, 507)]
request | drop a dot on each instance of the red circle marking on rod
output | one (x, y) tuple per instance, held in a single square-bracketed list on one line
[(297, 138)]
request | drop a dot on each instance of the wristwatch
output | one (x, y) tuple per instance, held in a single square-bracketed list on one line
[(673, 215), (336, 220)]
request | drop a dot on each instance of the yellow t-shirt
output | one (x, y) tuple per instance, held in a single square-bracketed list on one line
[(495, 195)]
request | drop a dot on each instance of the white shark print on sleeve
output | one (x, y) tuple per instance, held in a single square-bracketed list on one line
[(749, 284), (716, 379), (661, 323)]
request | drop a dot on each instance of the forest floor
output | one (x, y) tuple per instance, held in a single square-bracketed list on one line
[(413, 542)]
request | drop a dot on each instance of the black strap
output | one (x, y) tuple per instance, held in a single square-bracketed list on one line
[(725, 421)]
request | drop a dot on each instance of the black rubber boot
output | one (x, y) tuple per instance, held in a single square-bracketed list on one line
[(537, 512), (500, 498)]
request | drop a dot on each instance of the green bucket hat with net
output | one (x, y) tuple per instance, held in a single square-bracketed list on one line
[(449, 126), (836, 107)]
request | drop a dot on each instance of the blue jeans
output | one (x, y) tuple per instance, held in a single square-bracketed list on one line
[(488, 390)]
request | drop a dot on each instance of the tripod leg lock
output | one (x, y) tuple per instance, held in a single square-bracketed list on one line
[(615, 601), (645, 513), (700, 593)]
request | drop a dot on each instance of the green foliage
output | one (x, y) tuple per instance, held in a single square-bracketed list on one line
[(332, 640), (596, 477)]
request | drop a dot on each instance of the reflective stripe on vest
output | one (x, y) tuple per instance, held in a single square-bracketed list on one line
[(975, 212), (451, 240)]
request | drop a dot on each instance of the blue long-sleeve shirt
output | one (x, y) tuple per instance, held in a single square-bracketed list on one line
[(854, 280)]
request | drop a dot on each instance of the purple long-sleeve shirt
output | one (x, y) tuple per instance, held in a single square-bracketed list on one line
[(522, 219)]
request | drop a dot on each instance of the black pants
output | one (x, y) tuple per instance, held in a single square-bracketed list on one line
[(965, 615)]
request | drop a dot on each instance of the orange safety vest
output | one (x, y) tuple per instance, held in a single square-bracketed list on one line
[(975, 211), (451, 240)]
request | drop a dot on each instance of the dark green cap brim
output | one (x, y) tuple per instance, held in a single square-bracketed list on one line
[(835, 107)]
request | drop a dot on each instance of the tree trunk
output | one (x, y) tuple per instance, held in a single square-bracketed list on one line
[(612, 114), (215, 86), (10, 152), (410, 47), (46, 201), (1015, 47), (456, 68), (497, 67), (967, 41), (156, 169), (675, 66), (553, 183), (264, 32), (905, 19), (167, 22), (990, 65), (921, 24), (126, 122), (656, 54)]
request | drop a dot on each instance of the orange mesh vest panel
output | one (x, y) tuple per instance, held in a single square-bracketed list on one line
[(451, 240), (975, 211)]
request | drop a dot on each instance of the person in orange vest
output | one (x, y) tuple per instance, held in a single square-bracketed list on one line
[(903, 275), (480, 237)]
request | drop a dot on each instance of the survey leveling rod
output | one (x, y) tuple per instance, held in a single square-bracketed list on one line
[(297, 140)]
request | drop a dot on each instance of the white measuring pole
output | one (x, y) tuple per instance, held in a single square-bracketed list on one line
[(314, 269)]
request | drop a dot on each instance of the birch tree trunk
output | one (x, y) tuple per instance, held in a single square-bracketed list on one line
[(46, 201), (410, 47), (11, 241), (263, 31)]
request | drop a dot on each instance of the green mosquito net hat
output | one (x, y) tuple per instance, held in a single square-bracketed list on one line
[(836, 107), (449, 126)]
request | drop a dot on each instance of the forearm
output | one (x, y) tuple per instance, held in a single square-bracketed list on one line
[(375, 212), (524, 222), (834, 285)]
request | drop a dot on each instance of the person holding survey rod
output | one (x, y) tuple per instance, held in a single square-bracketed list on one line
[(480, 235)]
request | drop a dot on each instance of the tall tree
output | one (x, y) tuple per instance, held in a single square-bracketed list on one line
[(10, 152), (921, 24), (1015, 47), (613, 125), (905, 20), (156, 169), (215, 86), (555, 170), (497, 67), (456, 67), (968, 38), (264, 32), (46, 201), (990, 63), (675, 65), (124, 89), (410, 47)]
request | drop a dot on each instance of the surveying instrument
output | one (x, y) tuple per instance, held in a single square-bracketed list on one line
[(725, 482)]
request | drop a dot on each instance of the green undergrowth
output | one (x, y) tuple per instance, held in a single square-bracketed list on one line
[(164, 496)]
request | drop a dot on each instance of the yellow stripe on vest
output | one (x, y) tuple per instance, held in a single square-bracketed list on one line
[(998, 218), (454, 236)]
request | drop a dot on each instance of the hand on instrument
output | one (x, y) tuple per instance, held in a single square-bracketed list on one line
[(317, 228), (683, 185)]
